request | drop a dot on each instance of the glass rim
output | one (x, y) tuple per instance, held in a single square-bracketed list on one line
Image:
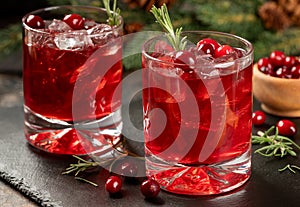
[(247, 43), (50, 8)]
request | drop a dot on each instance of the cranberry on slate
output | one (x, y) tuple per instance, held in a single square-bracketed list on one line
[(35, 22), (75, 21), (286, 127), (223, 50), (150, 188), (258, 118), (277, 58), (113, 184)]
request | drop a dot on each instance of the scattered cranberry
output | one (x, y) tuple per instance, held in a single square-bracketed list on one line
[(286, 127), (223, 50), (150, 188), (113, 184), (277, 58), (258, 118), (35, 22), (75, 21)]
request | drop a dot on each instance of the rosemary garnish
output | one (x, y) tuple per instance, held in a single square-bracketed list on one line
[(290, 168), (276, 145), (162, 17), (113, 16)]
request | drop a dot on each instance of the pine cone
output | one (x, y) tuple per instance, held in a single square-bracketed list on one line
[(288, 5), (273, 16), (296, 16)]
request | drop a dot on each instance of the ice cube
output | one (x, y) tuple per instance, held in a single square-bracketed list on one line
[(59, 26), (101, 34), (76, 40)]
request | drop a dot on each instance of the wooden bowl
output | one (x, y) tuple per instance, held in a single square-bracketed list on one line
[(278, 96)]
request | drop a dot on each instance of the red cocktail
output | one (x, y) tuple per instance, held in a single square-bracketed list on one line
[(197, 113), (71, 73)]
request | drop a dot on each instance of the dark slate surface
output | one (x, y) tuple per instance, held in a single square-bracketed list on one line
[(38, 175)]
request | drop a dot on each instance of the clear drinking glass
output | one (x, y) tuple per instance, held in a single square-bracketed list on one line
[(70, 75), (197, 117)]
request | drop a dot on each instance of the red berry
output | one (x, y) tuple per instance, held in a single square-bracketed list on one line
[(223, 50), (264, 65), (35, 22), (75, 21), (295, 71), (277, 58), (113, 184), (150, 188), (209, 41), (207, 48), (286, 127), (289, 61), (258, 118), (282, 72)]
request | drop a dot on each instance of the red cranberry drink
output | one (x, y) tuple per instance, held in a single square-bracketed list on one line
[(71, 69), (197, 105)]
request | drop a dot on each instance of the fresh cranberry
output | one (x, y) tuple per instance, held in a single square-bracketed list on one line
[(264, 65), (75, 21), (289, 61), (258, 118), (277, 58), (209, 41), (35, 22), (295, 72), (286, 127), (150, 188), (207, 48), (223, 50), (185, 58), (282, 72), (113, 184)]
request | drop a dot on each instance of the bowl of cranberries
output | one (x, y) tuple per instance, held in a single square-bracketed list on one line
[(276, 84)]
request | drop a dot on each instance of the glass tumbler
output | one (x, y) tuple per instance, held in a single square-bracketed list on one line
[(197, 110), (72, 65)]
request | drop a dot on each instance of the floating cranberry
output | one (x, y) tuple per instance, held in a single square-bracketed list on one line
[(113, 184), (207, 48), (258, 118), (295, 72), (286, 127), (150, 188), (277, 58), (209, 41), (75, 21), (35, 22), (223, 50)]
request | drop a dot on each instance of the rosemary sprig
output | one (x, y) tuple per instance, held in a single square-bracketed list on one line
[(162, 17), (290, 168), (113, 16), (276, 145), (80, 166)]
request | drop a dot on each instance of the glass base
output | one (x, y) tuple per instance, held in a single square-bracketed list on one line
[(58, 137), (200, 180)]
